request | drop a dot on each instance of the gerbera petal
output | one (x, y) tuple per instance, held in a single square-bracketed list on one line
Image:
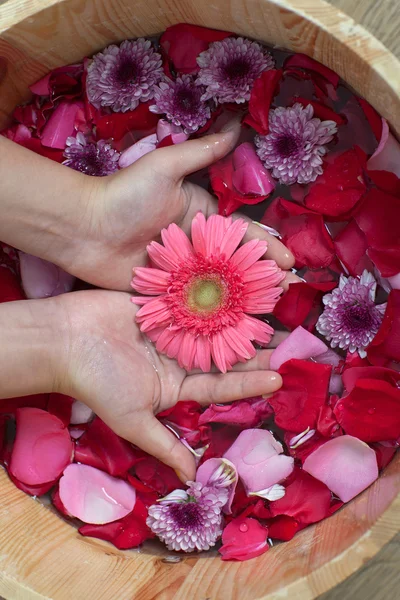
[(232, 238), (162, 257), (248, 254), (175, 344), (187, 351), (199, 234), (215, 229), (203, 353), (238, 342), (176, 241), (218, 352), (140, 300), (262, 301), (150, 281)]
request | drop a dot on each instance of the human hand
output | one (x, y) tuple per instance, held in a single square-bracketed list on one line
[(109, 365), (126, 211)]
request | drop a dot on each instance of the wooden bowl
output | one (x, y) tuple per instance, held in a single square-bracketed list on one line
[(43, 557)]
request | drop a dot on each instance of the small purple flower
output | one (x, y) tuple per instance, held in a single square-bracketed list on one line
[(229, 68), (295, 144), (122, 76), (351, 318), (189, 520), (181, 102), (92, 158)]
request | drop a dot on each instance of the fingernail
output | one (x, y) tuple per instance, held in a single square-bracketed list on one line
[(268, 229), (184, 478), (232, 125)]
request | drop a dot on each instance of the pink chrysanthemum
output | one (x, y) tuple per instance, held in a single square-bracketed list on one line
[(351, 318), (191, 520), (122, 76), (229, 68), (92, 158), (181, 102), (295, 144), (205, 292)]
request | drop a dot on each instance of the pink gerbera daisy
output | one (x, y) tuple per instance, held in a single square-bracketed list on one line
[(205, 292)]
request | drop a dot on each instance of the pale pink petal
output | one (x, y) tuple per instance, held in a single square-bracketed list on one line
[(80, 413), (248, 254), (336, 384), (199, 234), (137, 150), (387, 155), (259, 460), (299, 344), (94, 496), (42, 447), (345, 464), (328, 358), (250, 177), (205, 472), (42, 279), (150, 281), (232, 238)]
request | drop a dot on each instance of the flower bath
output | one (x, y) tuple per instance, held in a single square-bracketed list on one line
[(381, 341)]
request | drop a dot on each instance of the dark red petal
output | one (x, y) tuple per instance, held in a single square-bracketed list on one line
[(157, 476), (182, 43), (302, 231), (371, 412), (386, 260), (304, 391), (302, 304), (352, 375), (61, 406), (384, 454), (385, 347), (321, 111), (246, 413), (351, 247), (10, 287), (307, 500), (374, 119), (378, 218), (262, 94), (336, 192), (386, 181), (306, 63), (117, 125), (283, 528)]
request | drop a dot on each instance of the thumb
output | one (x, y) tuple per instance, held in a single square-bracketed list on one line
[(146, 432), (182, 159)]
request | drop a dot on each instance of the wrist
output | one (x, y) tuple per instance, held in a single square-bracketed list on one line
[(33, 348)]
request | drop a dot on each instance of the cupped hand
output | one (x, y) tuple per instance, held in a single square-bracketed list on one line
[(109, 365), (128, 210)]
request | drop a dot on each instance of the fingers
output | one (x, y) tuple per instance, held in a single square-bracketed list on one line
[(146, 432), (182, 159), (289, 278), (276, 250), (212, 388)]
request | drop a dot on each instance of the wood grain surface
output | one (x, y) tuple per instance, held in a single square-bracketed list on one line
[(53, 545)]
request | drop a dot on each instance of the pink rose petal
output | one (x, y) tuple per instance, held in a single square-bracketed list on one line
[(137, 150), (208, 469), (259, 460), (299, 344), (42, 279), (345, 464), (42, 447), (250, 177), (387, 155), (61, 124), (165, 129), (94, 496)]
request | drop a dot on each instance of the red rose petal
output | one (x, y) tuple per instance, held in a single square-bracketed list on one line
[(10, 286), (385, 347), (307, 500), (371, 411), (385, 181), (387, 155), (384, 454), (373, 118), (306, 63), (336, 192), (283, 528), (157, 476), (182, 43), (262, 94), (352, 375), (351, 247), (94, 496), (243, 539), (61, 406), (117, 125), (302, 231), (321, 111), (10, 405), (377, 217), (32, 490), (42, 447), (302, 304), (249, 412), (303, 393)]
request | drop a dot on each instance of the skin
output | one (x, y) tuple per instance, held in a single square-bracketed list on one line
[(86, 344)]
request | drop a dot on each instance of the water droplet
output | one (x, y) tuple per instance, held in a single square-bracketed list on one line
[(171, 559), (243, 527), (371, 411)]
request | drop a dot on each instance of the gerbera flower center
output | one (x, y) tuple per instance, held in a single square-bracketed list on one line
[(186, 515), (128, 72), (236, 68), (205, 295), (287, 145)]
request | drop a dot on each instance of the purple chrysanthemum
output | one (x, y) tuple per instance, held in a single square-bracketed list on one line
[(181, 102), (92, 158), (122, 76), (189, 520), (229, 68), (295, 144), (351, 318)]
